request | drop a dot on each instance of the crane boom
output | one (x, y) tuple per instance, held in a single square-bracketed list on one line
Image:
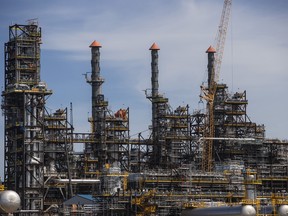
[(221, 37), (209, 93)]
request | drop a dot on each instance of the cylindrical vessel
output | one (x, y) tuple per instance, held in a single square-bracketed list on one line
[(135, 181), (246, 210), (9, 201)]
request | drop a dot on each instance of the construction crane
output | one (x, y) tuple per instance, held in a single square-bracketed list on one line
[(208, 93)]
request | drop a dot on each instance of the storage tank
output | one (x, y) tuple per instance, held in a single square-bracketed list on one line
[(9, 201), (246, 210)]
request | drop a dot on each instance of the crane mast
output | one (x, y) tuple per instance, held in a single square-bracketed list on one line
[(221, 37), (214, 66)]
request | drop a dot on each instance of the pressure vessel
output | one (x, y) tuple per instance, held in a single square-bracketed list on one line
[(246, 210), (283, 210), (9, 201)]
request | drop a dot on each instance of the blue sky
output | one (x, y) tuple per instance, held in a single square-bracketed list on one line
[(255, 57)]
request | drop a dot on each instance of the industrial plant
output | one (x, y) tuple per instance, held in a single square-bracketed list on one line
[(194, 162)]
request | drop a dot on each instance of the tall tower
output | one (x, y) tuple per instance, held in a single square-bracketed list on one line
[(23, 104), (97, 150), (170, 128), (155, 93), (159, 109), (210, 67), (109, 144)]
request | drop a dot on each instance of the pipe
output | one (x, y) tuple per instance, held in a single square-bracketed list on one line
[(9, 201), (246, 210), (226, 138), (76, 181), (29, 211)]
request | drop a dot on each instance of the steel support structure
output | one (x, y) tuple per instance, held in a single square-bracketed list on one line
[(97, 152), (171, 136), (58, 159), (24, 99), (110, 131), (231, 121)]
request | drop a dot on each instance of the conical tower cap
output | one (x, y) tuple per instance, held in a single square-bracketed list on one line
[(211, 50), (95, 44), (154, 47)]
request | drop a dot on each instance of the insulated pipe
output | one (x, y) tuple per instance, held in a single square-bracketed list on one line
[(226, 138), (246, 210), (27, 148), (9, 201), (74, 181), (30, 211)]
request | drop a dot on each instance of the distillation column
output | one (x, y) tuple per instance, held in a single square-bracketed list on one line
[(98, 150), (210, 67), (159, 108), (155, 86), (209, 93)]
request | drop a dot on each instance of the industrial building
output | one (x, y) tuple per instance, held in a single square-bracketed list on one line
[(190, 161)]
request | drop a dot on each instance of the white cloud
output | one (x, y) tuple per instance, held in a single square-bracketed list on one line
[(183, 36)]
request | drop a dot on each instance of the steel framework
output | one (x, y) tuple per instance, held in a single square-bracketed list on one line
[(158, 175), (24, 99)]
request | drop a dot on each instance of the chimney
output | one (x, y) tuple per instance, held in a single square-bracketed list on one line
[(96, 81), (211, 70), (154, 67)]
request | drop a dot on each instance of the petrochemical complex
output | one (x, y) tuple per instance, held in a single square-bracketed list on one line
[(216, 162)]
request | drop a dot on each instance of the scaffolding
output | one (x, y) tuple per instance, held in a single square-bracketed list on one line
[(58, 160), (110, 130), (171, 137), (23, 105), (158, 175)]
